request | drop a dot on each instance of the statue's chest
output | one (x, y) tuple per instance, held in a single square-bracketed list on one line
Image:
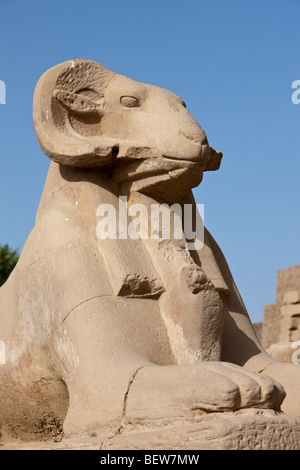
[(190, 307)]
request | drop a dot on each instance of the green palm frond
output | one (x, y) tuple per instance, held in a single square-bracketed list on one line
[(8, 260)]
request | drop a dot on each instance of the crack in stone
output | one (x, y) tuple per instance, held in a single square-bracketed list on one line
[(128, 390), (76, 306), (83, 302), (121, 428), (265, 367)]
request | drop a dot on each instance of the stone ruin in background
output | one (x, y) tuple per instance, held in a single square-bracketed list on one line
[(279, 331)]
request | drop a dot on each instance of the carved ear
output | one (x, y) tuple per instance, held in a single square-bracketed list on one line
[(78, 103), (67, 109)]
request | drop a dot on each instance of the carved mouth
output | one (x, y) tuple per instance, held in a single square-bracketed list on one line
[(192, 161), (208, 158), (163, 165), (171, 185)]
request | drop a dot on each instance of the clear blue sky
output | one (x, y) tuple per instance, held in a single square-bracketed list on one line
[(232, 61)]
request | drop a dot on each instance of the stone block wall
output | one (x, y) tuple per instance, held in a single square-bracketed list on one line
[(281, 321)]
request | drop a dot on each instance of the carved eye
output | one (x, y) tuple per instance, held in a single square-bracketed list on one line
[(130, 102)]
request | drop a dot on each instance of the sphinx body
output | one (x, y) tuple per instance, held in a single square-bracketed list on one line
[(100, 333)]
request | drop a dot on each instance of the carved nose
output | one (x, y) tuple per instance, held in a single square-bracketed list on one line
[(214, 160), (198, 137)]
